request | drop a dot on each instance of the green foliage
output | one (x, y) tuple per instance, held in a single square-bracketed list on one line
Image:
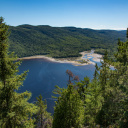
[(69, 110), (15, 111), (82, 86), (43, 118), (114, 89), (61, 42), (89, 92)]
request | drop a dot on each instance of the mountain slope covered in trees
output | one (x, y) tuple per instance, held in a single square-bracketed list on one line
[(28, 40)]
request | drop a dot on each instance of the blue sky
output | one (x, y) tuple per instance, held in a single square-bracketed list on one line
[(95, 14)]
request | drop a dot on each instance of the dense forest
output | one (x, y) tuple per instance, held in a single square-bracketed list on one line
[(28, 40), (101, 102)]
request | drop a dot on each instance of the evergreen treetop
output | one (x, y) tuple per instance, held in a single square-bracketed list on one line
[(15, 110)]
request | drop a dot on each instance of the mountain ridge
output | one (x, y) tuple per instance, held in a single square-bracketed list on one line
[(28, 40)]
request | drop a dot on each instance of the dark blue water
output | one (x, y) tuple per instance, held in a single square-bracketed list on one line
[(43, 75)]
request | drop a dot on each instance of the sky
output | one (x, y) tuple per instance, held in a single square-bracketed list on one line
[(94, 14)]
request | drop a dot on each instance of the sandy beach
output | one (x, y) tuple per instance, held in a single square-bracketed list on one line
[(75, 61), (97, 57)]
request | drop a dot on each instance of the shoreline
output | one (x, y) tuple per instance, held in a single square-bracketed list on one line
[(74, 61)]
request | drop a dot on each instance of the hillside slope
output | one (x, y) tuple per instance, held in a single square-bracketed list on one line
[(28, 40)]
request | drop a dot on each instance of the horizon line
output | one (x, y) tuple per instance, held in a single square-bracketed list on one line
[(116, 29)]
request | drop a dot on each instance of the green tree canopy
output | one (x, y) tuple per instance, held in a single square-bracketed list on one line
[(15, 110), (69, 110)]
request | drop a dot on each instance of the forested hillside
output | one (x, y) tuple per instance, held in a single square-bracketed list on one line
[(28, 40)]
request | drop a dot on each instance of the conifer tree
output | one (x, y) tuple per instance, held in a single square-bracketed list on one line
[(69, 110), (94, 99), (103, 117), (82, 87), (43, 118), (15, 111)]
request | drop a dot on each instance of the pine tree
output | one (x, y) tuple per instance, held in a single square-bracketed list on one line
[(43, 118), (82, 87), (103, 116), (69, 110), (72, 77), (94, 99), (15, 111)]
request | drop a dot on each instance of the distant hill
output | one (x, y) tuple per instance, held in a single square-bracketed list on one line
[(28, 40)]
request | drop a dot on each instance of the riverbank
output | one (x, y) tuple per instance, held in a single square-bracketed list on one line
[(75, 61)]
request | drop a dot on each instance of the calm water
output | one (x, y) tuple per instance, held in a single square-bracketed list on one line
[(44, 75)]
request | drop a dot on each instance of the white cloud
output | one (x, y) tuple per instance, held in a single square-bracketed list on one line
[(109, 28)]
